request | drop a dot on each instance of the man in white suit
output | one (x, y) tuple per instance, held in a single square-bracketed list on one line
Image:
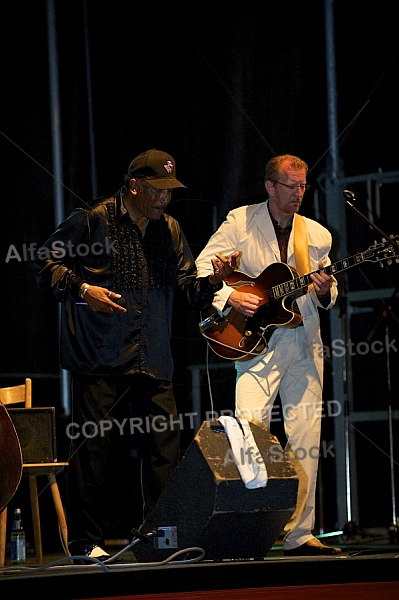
[(251, 239)]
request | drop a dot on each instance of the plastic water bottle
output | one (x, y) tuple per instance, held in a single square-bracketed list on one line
[(18, 540)]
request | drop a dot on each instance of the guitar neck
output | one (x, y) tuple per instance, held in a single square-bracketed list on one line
[(303, 281)]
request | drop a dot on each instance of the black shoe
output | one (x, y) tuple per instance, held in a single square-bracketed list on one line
[(313, 547), (82, 548)]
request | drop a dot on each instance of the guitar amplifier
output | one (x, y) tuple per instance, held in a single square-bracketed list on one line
[(35, 428)]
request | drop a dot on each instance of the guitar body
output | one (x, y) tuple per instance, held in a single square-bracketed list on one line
[(240, 338), (10, 458)]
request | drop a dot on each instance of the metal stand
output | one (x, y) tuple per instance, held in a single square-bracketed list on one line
[(393, 528), (386, 313), (350, 529)]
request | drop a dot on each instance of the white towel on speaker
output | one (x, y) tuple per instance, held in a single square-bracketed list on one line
[(246, 454)]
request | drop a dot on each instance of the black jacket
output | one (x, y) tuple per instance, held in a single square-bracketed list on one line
[(101, 246)]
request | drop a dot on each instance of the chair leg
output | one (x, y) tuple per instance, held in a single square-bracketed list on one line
[(59, 509), (34, 500), (3, 537)]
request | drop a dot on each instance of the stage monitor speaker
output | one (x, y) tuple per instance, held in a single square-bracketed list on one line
[(35, 428), (206, 504)]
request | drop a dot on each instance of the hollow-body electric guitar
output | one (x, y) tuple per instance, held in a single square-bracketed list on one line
[(236, 337)]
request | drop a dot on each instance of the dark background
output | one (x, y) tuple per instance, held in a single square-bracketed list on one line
[(222, 89)]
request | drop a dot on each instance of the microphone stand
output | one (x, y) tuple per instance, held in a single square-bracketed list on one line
[(393, 529), (351, 195)]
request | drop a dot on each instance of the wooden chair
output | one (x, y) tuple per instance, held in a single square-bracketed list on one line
[(22, 394)]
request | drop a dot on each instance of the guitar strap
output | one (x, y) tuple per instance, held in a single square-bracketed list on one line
[(301, 248)]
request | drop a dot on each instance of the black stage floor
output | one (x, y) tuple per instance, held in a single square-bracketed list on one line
[(368, 568)]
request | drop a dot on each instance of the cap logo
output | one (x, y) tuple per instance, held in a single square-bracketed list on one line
[(168, 166)]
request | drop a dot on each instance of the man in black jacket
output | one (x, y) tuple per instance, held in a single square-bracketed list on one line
[(115, 267)]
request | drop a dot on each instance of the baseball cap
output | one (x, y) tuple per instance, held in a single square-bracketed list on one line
[(156, 167)]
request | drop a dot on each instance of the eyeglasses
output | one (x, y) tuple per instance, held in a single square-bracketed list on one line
[(301, 186)]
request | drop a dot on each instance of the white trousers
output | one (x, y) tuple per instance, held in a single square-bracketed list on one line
[(288, 369)]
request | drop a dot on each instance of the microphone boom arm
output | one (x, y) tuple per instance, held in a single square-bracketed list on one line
[(348, 195)]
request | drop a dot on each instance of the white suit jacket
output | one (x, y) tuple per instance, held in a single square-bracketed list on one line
[(250, 230)]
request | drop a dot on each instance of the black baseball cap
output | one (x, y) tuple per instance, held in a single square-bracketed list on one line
[(156, 167)]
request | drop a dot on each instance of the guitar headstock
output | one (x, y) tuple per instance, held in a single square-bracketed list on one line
[(385, 251)]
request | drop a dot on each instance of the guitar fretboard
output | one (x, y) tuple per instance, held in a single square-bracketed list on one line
[(303, 281)]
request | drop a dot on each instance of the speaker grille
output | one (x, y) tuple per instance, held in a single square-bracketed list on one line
[(36, 431)]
